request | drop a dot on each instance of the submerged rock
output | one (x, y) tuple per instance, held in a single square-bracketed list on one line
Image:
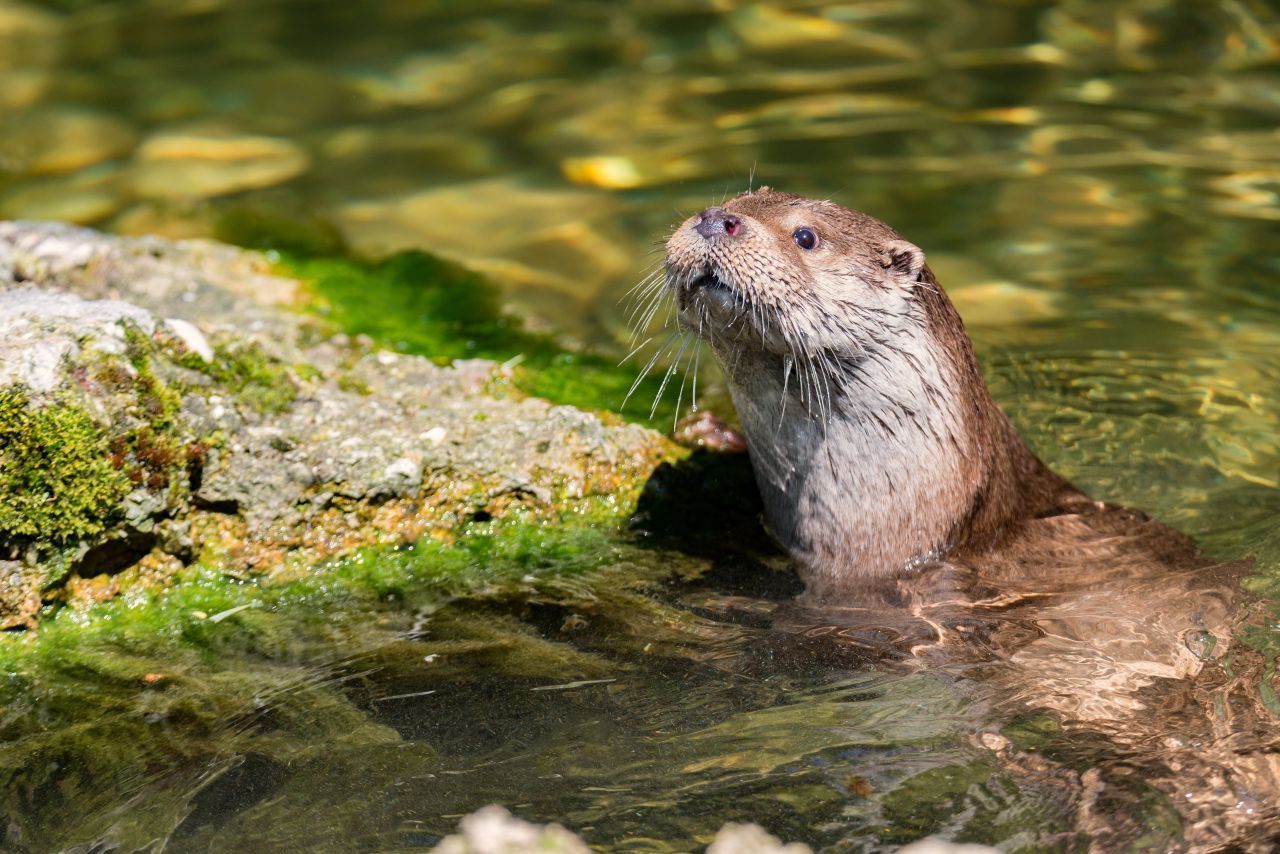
[(494, 226), (493, 830), (84, 197), (29, 35), (752, 839), (202, 163), (53, 141), (150, 387)]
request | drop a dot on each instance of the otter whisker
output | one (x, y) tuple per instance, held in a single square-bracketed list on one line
[(642, 299), (637, 349), (671, 311), (697, 361), (645, 288), (640, 316), (684, 378), (653, 360), (828, 372), (684, 342), (788, 362), (655, 303), (645, 309), (642, 310), (646, 279)]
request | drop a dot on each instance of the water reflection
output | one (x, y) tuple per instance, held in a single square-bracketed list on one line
[(562, 137)]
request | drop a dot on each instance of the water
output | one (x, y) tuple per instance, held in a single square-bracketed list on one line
[(1097, 184)]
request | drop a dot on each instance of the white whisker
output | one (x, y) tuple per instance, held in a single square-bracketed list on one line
[(653, 360), (657, 398)]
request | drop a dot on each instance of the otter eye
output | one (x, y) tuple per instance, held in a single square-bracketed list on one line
[(805, 238)]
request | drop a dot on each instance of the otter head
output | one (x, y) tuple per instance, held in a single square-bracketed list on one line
[(875, 442), (792, 276)]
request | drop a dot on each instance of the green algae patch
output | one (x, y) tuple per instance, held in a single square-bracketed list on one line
[(417, 303), (519, 551), (57, 482)]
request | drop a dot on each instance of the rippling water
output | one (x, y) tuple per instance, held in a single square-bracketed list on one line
[(1097, 184)]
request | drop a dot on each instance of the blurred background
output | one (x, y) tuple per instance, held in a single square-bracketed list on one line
[(1097, 182)]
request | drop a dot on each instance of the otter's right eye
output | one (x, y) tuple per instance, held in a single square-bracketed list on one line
[(805, 238)]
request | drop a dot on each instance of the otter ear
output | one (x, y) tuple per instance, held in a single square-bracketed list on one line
[(903, 259)]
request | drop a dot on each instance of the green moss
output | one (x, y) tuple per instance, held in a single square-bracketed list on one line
[(1032, 732), (347, 382), (152, 454), (416, 303), (57, 482), (159, 404), (242, 369)]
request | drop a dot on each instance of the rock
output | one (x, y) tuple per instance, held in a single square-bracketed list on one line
[(986, 300), (637, 132), (366, 154), (490, 226), (42, 330), (403, 477), (1062, 202), (428, 79), (173, 219), (286, 96), (208, 162), (493, 830), (752, 839), (21, 89), (705, 429), (94, 446), (766, 28), (211, 283), (56, 140), (82, 197), (29, 36), (191, 337), (210, 422)]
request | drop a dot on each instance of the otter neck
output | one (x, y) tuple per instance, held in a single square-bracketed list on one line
[(900, 458)]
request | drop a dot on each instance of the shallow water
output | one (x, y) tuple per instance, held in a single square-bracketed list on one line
[(1098, 185)]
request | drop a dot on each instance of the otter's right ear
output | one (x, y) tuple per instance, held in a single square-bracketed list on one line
[(903, 259)]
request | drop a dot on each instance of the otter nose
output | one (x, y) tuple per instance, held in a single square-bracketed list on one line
[(714, 221)]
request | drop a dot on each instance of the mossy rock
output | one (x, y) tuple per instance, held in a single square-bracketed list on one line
[(230, 428), (57, 482)]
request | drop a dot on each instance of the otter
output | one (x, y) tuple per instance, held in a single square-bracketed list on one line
[(927, 532), (876, 444)]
